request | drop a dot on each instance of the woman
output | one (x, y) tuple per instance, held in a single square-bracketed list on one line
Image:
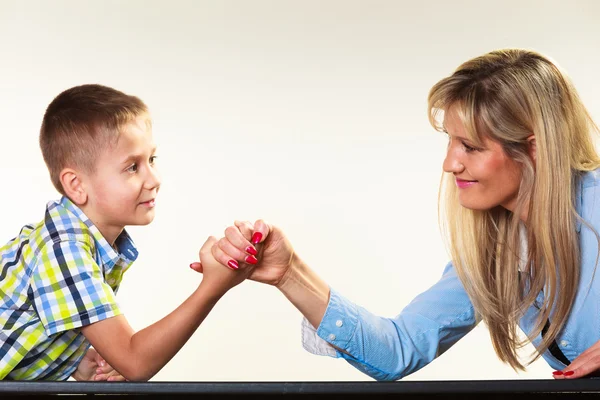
[(517, 206)]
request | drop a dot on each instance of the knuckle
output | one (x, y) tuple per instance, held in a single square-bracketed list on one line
[(230, 231)]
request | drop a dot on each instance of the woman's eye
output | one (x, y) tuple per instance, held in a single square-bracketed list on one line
[(468, 148)]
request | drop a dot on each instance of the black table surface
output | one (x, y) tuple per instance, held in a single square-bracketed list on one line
[(404, 389)]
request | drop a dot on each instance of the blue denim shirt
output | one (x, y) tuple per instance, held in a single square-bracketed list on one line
[(391, 348)]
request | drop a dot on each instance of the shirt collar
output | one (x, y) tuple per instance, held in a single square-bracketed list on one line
[(126, 249)]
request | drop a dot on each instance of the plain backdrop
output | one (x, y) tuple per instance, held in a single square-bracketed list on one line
[(310, 114)]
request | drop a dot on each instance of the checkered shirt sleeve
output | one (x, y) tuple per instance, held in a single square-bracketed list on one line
[(68, 287)]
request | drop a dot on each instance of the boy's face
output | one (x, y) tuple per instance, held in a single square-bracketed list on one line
[(123, 188)]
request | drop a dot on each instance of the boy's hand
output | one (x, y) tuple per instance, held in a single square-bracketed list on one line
[(263, 245), (219, 277), (94, 368)]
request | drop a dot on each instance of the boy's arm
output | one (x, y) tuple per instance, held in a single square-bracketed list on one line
[(140, 355)]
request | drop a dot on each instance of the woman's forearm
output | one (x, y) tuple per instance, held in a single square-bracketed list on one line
[(306, 291)]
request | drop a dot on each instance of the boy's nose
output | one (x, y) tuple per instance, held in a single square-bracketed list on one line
[(153, 180)]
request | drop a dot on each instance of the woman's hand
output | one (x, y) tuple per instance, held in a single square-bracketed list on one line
[(220, 278), (588, 363), (94, 368), (271, 258), (260, 245)]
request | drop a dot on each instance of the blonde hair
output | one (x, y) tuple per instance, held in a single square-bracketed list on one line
[(508, 95), (80, 122)]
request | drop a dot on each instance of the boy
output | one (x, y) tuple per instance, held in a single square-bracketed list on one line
[(58, 278)]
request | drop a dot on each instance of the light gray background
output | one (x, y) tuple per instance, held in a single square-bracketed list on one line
[(310, 114)]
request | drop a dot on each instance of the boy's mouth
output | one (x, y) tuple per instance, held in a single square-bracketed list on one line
[(149, 203)]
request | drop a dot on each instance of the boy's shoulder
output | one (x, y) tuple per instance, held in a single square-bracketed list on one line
[(59, 225)]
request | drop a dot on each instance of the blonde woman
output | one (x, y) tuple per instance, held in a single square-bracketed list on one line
[(517, 206)]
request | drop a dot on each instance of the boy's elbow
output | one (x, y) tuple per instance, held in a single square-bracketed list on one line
[(137, 376), (137, 372)]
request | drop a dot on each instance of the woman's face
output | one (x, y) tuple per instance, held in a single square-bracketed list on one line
[(486, 177)]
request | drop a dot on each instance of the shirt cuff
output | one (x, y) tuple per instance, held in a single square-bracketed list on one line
[(313, 343), (337, 327)]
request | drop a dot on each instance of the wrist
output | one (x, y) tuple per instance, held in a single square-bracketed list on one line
[(306, 291), (210, 292), (291, 274)]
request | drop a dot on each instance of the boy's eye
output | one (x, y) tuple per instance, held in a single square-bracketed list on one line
[(153, 159), (132, 168)]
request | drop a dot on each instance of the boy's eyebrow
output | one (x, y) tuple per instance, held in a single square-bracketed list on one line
[(137, 156)]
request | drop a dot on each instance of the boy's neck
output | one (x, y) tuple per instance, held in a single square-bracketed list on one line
[(108, 231)]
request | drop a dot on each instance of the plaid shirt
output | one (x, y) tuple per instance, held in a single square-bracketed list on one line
[(56, 277)]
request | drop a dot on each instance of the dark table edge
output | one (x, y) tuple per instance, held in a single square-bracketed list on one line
[(349, 387)]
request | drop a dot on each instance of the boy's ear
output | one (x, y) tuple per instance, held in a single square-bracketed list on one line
[(73, 186), (531, 147)]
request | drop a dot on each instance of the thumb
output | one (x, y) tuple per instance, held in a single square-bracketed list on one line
[(100, 360), (207, 246), (196, 266)]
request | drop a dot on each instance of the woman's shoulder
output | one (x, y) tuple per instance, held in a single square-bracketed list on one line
[(590, 178), (588, 198)]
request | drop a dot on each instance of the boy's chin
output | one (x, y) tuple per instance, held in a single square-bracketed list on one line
[(142, 221)]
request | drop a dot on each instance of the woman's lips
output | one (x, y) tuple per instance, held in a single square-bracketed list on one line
[(463, 184)]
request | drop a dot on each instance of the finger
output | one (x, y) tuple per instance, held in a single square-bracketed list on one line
[(246, 228), (104, 369), (591, 367), (261, 231), (583, 358), (91, 354), (116, 378), (99, 360), (234, 253), (196, 266), (224, 259), (236, 239)]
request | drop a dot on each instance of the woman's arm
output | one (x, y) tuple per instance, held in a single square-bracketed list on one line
[(383, 348)]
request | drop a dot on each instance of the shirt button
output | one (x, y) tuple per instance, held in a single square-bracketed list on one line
[(339, 323), (331, 337), (564, 343), (111, 281)]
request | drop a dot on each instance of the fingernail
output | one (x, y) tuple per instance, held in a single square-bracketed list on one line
[(256, 237), (103, 363), (251, 260), (251, 250), (569, 373), (233, 264), (557, 373)]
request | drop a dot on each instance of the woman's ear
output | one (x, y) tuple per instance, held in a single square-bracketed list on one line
[(531, 147)]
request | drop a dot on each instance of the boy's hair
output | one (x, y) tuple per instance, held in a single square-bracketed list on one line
[(80, 122)]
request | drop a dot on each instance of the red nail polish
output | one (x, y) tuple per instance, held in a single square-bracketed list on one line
[(251, 260), (233, 264), (569, 373), (251, 250), (256, 237), (557, 373)]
